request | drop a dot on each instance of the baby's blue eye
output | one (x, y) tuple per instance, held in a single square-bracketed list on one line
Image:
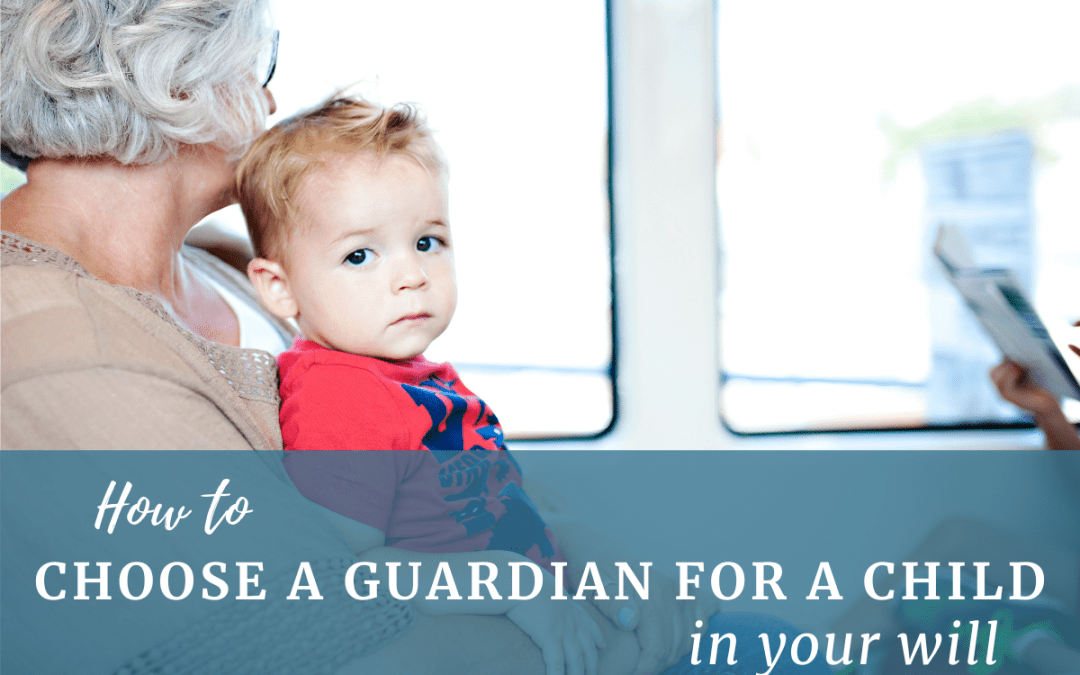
[(358, 257), (428, 244)]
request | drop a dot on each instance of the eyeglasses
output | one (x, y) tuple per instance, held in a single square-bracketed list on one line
[(268, 59)]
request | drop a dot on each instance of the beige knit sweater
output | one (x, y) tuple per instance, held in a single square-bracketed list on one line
[(86, 364)]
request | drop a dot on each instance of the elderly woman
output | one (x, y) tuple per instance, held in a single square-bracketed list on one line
[(132, 115), (116, 335)]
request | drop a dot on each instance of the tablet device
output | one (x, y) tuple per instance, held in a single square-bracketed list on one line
[(1001, 307)]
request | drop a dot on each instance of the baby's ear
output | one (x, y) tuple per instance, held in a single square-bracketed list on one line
[(272, 284)]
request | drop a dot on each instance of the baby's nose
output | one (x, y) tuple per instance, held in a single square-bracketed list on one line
[(411, 274)]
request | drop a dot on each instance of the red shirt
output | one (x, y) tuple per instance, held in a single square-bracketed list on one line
[(334, 400), (461, 492)]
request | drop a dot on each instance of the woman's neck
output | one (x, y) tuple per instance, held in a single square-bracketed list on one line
[(126, 224)]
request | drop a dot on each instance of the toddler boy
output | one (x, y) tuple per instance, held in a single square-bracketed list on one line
[(347, 209)]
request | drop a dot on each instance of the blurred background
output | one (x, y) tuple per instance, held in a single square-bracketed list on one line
[(848, 132)]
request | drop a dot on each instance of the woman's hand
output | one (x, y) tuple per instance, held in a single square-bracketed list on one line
[(567, 636), (662, 624)]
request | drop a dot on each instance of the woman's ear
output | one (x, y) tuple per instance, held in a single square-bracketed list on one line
[(272, 284)]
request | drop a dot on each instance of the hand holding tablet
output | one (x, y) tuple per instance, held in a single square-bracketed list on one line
[(1002, 308)]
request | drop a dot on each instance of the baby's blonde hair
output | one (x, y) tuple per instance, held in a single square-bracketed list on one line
[(270, 175)]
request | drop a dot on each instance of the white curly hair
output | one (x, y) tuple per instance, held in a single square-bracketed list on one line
[(131, 79)]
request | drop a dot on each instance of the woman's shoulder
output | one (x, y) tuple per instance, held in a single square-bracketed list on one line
[(46, 310), (39, 283), (57, 316), (52, 306), (16, 250), (62, 326)]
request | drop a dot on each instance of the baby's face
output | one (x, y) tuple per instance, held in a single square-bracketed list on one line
[(372, 268)]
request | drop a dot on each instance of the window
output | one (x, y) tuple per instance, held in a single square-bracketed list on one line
[(517, 96), (848, 132)]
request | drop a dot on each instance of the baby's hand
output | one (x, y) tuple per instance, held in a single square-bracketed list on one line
[(568, 637)]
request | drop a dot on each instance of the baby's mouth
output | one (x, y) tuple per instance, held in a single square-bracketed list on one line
[(411, 318)]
